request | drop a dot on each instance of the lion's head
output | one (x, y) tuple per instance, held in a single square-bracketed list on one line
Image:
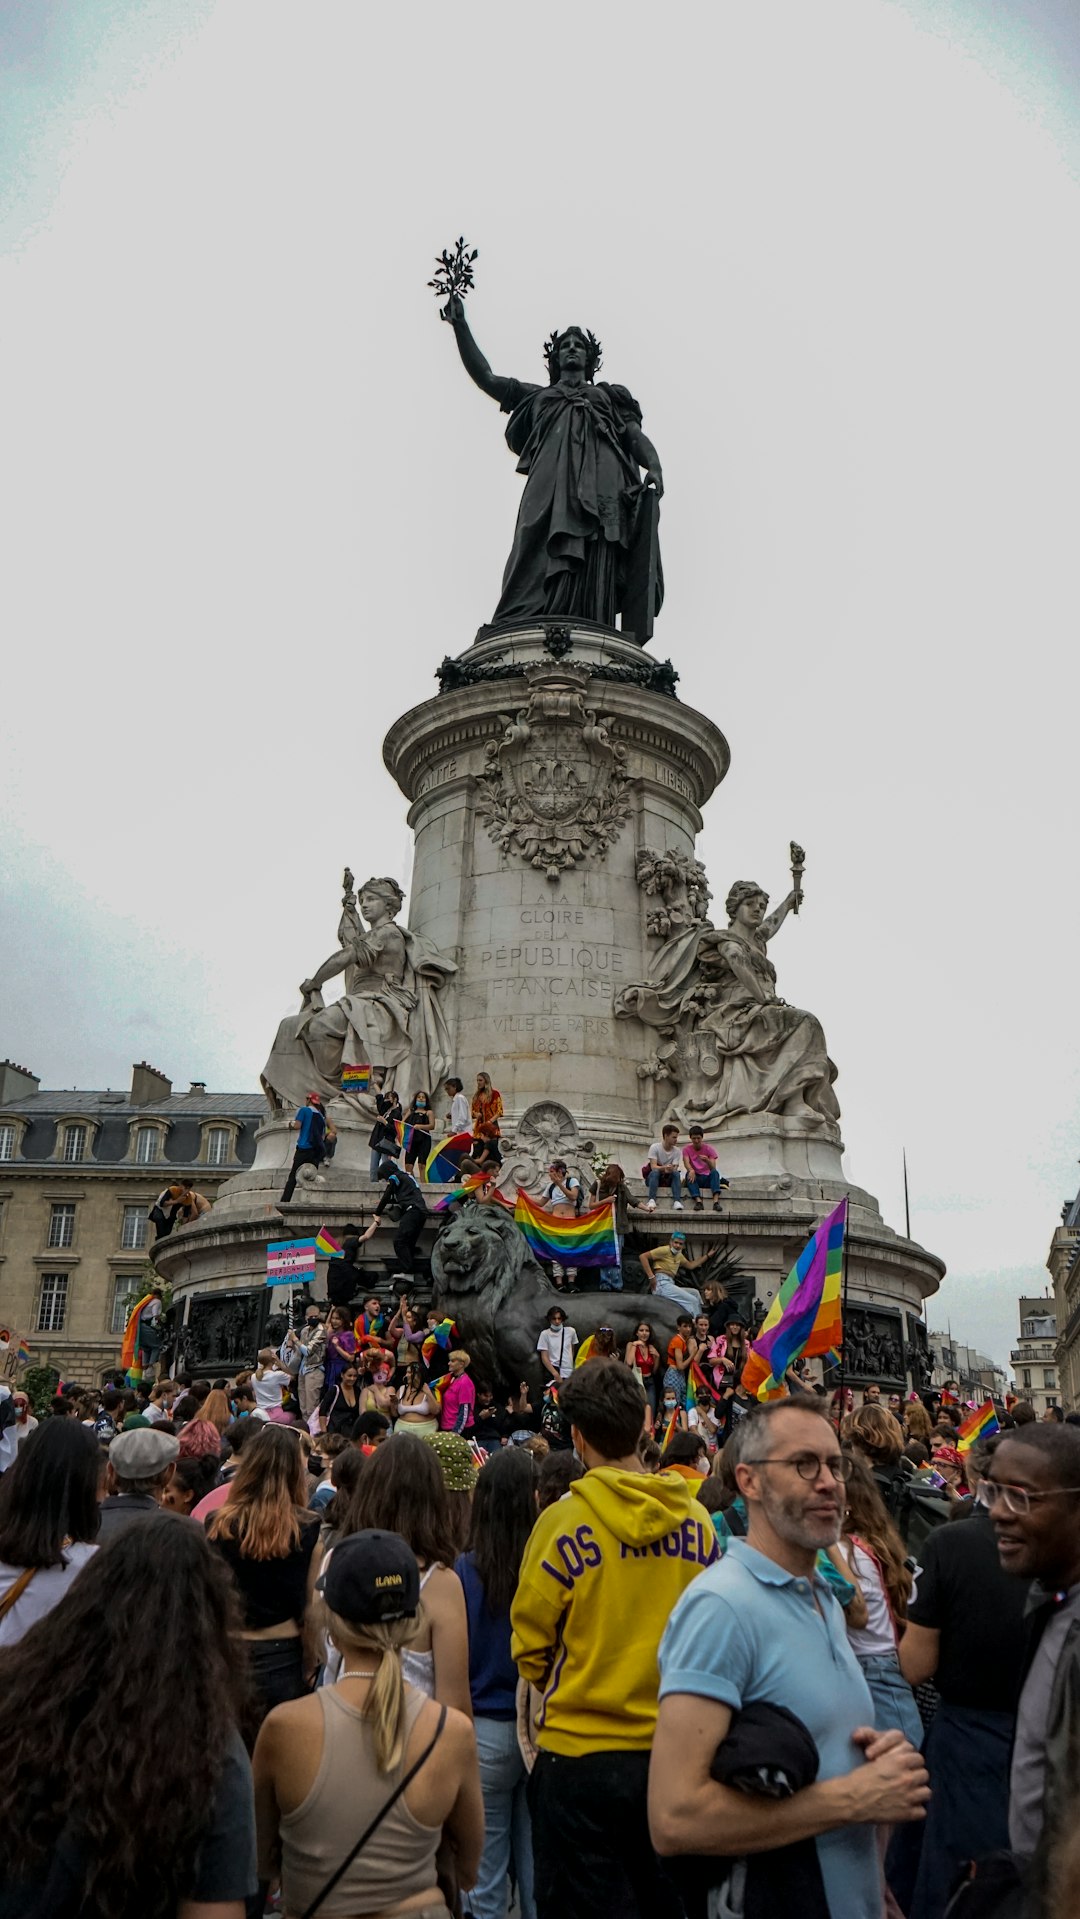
[(482, 1251)]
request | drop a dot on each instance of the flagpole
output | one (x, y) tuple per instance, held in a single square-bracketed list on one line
[(843, 1315), (907, 1202)]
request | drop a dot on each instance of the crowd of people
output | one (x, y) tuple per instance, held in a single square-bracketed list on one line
[(352, 1633)]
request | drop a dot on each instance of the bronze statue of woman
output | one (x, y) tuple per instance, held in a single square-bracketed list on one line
[(581, 446)]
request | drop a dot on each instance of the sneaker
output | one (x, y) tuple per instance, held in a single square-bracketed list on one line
[(699, 1205), (677, 1206), (650, 1205), (716, 1206)]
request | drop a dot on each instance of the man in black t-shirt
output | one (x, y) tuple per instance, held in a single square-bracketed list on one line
[(966, 1631), (403, 1194)]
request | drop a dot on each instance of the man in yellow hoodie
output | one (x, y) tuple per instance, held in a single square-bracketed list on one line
[(602, 1570)]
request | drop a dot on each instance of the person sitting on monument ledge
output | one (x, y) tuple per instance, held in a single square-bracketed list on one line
[(661, 1266), (701, 1167), (662, 1168), (421, 1117)]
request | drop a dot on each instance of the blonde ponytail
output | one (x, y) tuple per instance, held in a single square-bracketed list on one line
[(385, 1706)]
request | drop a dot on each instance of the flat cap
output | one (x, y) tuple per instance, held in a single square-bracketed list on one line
[(143, 1453)]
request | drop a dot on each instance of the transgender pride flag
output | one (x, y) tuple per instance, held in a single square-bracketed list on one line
[(805, 1316)]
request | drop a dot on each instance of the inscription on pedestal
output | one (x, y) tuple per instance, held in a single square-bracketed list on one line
[(540, 985)]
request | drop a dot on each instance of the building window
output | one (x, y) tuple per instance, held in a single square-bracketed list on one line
[(217, 1145), (1049, 1381), (7, 1142), (1027, 1375), (147, 1145), (62, 1225), (133, 1230), (127, 1289), (52, 1303), (74, 1143)]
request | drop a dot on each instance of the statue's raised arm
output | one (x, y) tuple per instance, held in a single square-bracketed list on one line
[(585, 545), (495, 385)]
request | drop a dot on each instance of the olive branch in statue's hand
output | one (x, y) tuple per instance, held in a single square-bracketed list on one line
[(454, 278)]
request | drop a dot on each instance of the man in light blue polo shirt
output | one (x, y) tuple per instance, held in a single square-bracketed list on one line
[(762, 1627)]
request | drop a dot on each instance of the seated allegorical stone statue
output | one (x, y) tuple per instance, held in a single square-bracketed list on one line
[(388, 1013), (729, 1044)]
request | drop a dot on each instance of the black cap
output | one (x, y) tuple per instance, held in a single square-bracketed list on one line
[(371, 1577)]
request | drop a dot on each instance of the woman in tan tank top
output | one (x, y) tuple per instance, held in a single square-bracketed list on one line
[(327, 1765)]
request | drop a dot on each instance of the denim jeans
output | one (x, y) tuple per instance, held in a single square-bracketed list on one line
[(507, 1825), (610, 1280), (694, 1182), (671, 1178)]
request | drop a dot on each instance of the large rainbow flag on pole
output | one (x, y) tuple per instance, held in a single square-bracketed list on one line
[(574, 1239), (805, 1317)]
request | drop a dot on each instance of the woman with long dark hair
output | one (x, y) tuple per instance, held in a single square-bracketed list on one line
[(876, 1561), (267, 1536), (401, 1490), (503, 1513), (340, 1407), (49, 1518), (125, 1790)]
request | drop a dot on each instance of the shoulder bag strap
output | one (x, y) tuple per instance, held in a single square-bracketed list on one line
[(16, 1591), (378, 1819)]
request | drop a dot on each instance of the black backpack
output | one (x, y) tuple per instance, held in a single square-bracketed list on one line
[(916, 1509)]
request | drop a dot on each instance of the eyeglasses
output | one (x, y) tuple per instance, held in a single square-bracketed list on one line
[(1015, 1499), (809, 1466)]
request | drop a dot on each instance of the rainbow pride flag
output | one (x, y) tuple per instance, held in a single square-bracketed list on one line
[(23, 1352), (471, 1182), (367, 1330), (130, 1352), (581, 1239), (670, 1430), (979, 1425), (805, 1316), (698, 1390), (326, 1245), (355, 1079), (439, 1336)]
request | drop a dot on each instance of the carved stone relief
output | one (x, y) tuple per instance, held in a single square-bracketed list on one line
[(554, 789)]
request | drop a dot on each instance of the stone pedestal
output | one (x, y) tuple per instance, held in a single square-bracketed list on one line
[(555, 789), (532, 788)]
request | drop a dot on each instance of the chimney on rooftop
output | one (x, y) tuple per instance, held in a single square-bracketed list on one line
[(148, 1085), (197, 1086), (16, 1082)]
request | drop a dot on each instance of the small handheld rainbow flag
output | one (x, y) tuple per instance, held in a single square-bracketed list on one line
[(805, 1315), (978, 1426), (670, 1430), (582, 1239), (326, 1245), (471, 1182), (438, 1386), (440, 1335), (23, 1351), (355, 1079)]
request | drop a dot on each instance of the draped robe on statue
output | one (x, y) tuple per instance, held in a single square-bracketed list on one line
[(388, 1012), (581, 502)]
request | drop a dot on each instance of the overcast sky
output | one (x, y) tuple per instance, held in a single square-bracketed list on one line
[(249, 500)]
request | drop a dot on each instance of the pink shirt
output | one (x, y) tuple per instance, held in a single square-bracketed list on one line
[(700, 1159), (212, 1501), (458, 1393)]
